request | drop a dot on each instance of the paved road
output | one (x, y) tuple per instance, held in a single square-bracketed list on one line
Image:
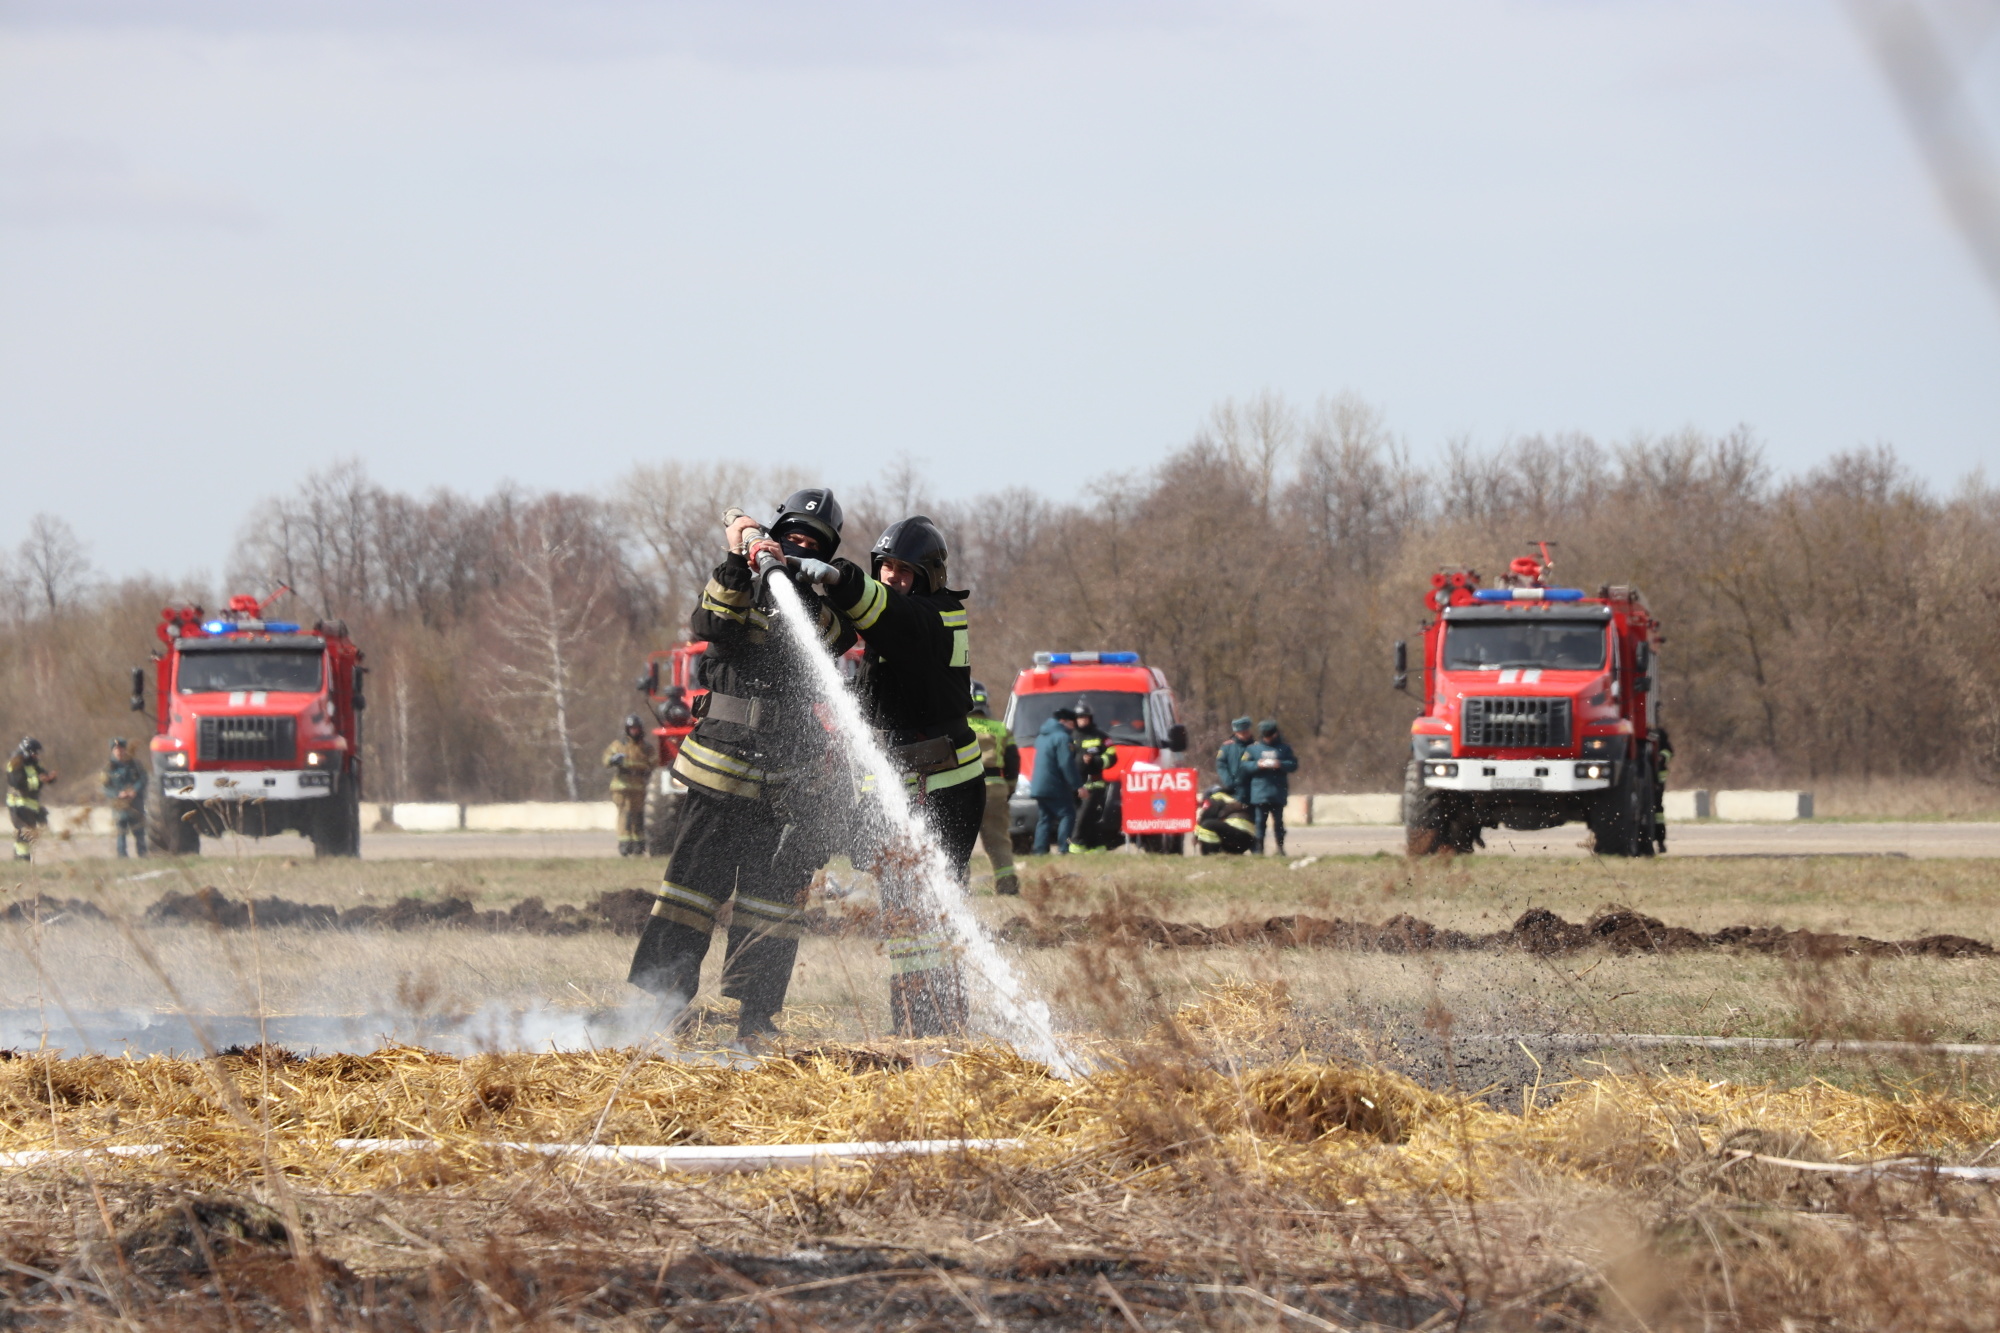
[(1803, 839)]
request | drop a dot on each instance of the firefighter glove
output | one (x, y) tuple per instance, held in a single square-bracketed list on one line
[(814, 571)]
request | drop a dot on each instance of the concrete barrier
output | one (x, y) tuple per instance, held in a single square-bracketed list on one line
[(1358, 808), (1745, 807), (426, 816), (543, 817), (1685, 805), (1298, 811)]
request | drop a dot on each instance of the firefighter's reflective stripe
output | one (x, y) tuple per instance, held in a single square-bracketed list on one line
[(767, 917), (18, 801), (874, 597), (1203, 833), (699, 765), (831, 625), (1242, 822), (684, 907), (737, 598), (992, 735), (971, 768), (961, 640), (919, 953)]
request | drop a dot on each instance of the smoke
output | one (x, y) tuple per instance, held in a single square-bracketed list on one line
[(1001, 1006)]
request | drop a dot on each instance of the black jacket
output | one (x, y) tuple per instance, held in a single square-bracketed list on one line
[(918, 667), (752, 663)]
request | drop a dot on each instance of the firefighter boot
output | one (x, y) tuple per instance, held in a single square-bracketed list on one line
[(930, 1003), (1006, 883)]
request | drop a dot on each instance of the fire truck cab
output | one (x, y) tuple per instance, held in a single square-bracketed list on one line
[(258, 729), (1131, 703), (1540, 707)]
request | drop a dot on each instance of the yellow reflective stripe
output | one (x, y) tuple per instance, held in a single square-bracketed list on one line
[(1203, 833), (829, 626), (694, 774), (771, 918), (718, 609), (971, 772), (874, 597), (684, 907), (955, 618), (920, 953), (717, 759), (727, 596)]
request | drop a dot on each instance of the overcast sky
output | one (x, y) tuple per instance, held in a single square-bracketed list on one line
[(1023, 242)]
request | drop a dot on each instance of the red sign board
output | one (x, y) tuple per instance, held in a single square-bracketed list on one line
[(1160, 800)]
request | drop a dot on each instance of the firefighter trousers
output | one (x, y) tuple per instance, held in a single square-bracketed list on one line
[(29, 821), (631, 803), (749, 851), (926, 988), (996, 836)]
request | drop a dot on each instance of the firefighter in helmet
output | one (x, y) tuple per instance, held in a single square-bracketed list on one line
[(124, 786), (1222, 825), (630, 760), (1002, 759), (916, 687), (764, 798), (1095, 753), (25, 779)]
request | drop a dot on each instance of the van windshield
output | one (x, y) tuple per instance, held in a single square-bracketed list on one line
[(1557, 645), (290, 669), (1119, 714)]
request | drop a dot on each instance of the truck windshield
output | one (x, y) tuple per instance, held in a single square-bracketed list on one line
[(292, 669), (1119, 714), (1552, 644)]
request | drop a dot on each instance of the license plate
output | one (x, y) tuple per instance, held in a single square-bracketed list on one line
[(1517, 784)]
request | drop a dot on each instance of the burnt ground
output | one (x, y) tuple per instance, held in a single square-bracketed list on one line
[(624, 911)]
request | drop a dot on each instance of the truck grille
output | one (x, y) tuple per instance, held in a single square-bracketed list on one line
[(1541, 724), (229, 739)]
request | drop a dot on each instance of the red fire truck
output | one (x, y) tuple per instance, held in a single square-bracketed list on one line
[(1131, 703), (258, 729), (671, 684), (1540, 707)]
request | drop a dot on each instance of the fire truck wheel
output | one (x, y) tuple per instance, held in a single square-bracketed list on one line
[(1623, 822), (1435, 821), (336, 829), (663, 820), (167, 828)]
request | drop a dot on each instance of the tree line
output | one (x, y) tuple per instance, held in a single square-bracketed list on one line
[(1843, 622)]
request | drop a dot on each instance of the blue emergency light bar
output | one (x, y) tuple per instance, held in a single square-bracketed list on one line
[(236, 626), (281, 626), (219, 626), (1086, 659), (1529, 595)]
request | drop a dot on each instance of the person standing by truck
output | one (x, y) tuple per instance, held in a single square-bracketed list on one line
[(916, 689), (125, 792), (630, 760), (1002, 759), (1095, 754), (1057, 784), (1229, 760), (758, 768), (1268, 763), (25, 779)]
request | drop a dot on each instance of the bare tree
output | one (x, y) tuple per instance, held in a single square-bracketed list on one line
[(53, 562), (545, 617), (670, 515)]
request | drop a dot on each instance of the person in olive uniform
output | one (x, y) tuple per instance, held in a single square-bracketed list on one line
[(916, 689), (765, 786), (1229, 760), (1268, 763), (124, 786), (1002, 759), (630, 759), (25, 779), (1095, 752)]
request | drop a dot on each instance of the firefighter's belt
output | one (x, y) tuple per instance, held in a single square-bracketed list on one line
[(730, 708), (923, 758)]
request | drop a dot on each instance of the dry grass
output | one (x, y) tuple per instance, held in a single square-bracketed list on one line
[(1903, 798)]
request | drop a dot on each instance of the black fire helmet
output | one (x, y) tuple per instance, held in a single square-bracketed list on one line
[(814, 511), (914, 541), (29, 745), (1082, 708), (632, 722)]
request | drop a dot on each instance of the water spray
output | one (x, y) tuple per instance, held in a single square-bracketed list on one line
[(994, 988)]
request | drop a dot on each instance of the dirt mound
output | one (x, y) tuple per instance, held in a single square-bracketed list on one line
[(1537, 931), (45, 909), (621, 911)]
